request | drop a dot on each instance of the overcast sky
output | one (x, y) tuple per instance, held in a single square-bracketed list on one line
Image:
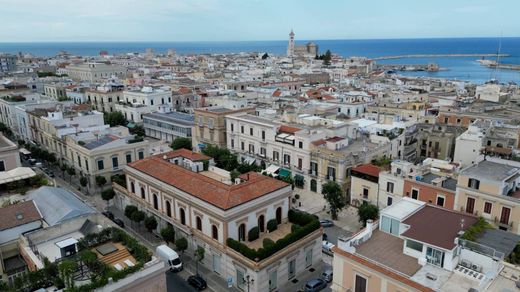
[(244, 20)]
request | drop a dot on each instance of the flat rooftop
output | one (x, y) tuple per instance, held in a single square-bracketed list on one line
[(487, 170), (449, 183), (51, 250), (175, 117), (387, 250)]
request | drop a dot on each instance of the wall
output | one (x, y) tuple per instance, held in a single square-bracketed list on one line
[(429, 193)]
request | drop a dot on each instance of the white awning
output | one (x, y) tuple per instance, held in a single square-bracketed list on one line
[(249, 160), (25, 151), (67, 242), (16, 174), (272, 169)]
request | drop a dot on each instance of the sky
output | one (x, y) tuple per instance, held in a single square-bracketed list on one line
[(250, 20)]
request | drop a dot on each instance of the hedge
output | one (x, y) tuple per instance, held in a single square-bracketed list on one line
[(253, 234), (272, 225), (308, 223)]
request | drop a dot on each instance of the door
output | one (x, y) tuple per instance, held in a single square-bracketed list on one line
[(272, 280), (470, 205), (361, 284), (435, 257), (240, 280), (261, 223), (308, 258), (292, 268), (279, 215), (504, 216), (216, 263)]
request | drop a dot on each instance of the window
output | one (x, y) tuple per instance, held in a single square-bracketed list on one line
[(390, 187), (211, 123), (390, 225), (504, 216), (440, 201), (415, 194), (151, 101), (132, 187), (242, 129), (232, 127), (263, 151), (140, 154), (251, 148), (473, 183), (361, 284), (300, 144), (155, 202), (115, 163), (100, 164), (143, 194), (287, 159), (2, 166), (446, 120), (263, 135), (128, 158), (242, 232), (183, 216), (414, 245), (242, 145), (214, 232), (331, 173), (389, 201), (292, 268), (470, 205), (365, 193), (168, 209), (232, 143), (300, 163), (198, 223), (251, 131), (487, 207), (276, 156)]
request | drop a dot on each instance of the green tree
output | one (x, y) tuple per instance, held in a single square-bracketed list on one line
[(129, 210), (108, 195), (138, 130), (100, 181), (222, 156), (71, 171), (138, 216), (181, 142), (150, 223), (367, 211), (199, 256), (83, 181), (168, 234), (181, 244), (234, 174), (115, 119), (63, 168), (334, 196), (327, 58), (67, 269)]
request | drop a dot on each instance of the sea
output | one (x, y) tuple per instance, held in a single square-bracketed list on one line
[(456, 68)]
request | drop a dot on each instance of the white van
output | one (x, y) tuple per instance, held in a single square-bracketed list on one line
[(170, 257)]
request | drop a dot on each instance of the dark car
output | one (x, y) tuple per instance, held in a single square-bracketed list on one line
[(50, 173), (109, 215), (119, 222), (314, 285), (326, 223), (197, 282)]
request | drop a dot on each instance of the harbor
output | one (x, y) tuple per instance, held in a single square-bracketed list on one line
[(439, 56)]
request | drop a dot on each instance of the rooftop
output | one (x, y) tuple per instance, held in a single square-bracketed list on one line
[(448, 183), (176, 117), (188, 154), (437, 226), (500, 240), (205, 188), (368, 169), (487, 170), (18, 214)]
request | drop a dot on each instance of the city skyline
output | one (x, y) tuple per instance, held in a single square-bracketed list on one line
[(185, 21)]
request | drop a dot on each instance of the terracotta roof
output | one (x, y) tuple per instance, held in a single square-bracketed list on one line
[(288, 129), (219, 194), (335, 139), (184, 90), (277, 93), (18, 214), (499, 150), (318, 142), (380, 269), (188, 154), (369, 169), (437, 226)]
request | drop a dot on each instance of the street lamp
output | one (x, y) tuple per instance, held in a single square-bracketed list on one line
[(249, 281)]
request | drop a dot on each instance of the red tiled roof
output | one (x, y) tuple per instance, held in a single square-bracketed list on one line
[(184, 90), (335, 139), (288, 129), (27, 211), (318, 142), (437, 226), (369, 169), (207, 189), (277, 93), (188, 154)]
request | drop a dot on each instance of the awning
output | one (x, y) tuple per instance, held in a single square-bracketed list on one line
[(67, 242), (25, 151), (284, 172), (272, 169), (249, 160), (298, 178), (16, 174)]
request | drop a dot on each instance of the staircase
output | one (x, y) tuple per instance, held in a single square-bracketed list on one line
[(116, 257)]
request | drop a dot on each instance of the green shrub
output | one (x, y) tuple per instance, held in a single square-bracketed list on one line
[(295, 227), (268, 243), (272, 225), (253, 234)]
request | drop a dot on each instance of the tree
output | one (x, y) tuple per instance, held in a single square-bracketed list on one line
[(333, 195), (367, 211), (138, 216), (265, 56), (100, 181), (168, 234), (71, 171), (181, 244), (108, 195), (63, 169), (234, 174), (150, 223), (83, 181), (327, 58), (199, 256), (67, 269), (222, 156), (115, 119), (138, 131), (129, 210), (88, 257), (181, 142)]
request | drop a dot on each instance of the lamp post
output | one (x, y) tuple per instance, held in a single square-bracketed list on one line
[(248, 281)]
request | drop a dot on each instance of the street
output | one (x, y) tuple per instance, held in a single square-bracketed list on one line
[(175, 283)]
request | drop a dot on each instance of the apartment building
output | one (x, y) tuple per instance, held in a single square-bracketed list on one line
[(104, 98), (364, 184), (431, 188), (94, 72), (136, 103), (210, 126), (7, 63), (436, 141), (391, 183), (206, 207), (8, 106), (168, 125), (415, 246), (490, 189)]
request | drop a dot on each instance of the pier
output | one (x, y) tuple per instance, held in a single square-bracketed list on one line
[(431, 67), (439, 56)]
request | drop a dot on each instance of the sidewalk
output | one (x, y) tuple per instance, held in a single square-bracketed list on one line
[(303, 277), (215, 282)]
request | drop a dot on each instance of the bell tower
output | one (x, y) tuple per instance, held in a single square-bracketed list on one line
[(290, 46)]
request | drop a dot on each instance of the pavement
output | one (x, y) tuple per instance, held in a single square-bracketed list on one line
[(302, 278)]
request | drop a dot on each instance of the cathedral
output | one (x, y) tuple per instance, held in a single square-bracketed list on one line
[(309, 50)]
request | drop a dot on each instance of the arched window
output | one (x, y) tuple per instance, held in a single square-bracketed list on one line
[(261, 223), (242, 232), (168, 209), (198, 223), (214, 232), (155, 202), (132, 188), (143, 195), (279, 215), (183, 216)]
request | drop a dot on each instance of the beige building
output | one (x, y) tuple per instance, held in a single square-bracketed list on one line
[(210, 126), (94, 72), (9, 156), (364, 184), (104, 98)]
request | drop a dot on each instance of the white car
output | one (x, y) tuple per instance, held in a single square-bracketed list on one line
[(326, 247)]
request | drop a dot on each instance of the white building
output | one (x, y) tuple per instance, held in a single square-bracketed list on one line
[(136, 103), (468, 146)]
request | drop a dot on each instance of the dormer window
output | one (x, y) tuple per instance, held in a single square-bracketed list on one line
[(473, 183)]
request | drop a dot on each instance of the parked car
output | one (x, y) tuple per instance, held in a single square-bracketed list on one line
[(326, 247), (109, 215), (50, 173), (314, 285), (169, 256), (197, 282), (327, 275), (326, 223), (119, 222)]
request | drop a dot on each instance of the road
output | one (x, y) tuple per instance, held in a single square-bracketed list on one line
[(175, 283), (334, 232)]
